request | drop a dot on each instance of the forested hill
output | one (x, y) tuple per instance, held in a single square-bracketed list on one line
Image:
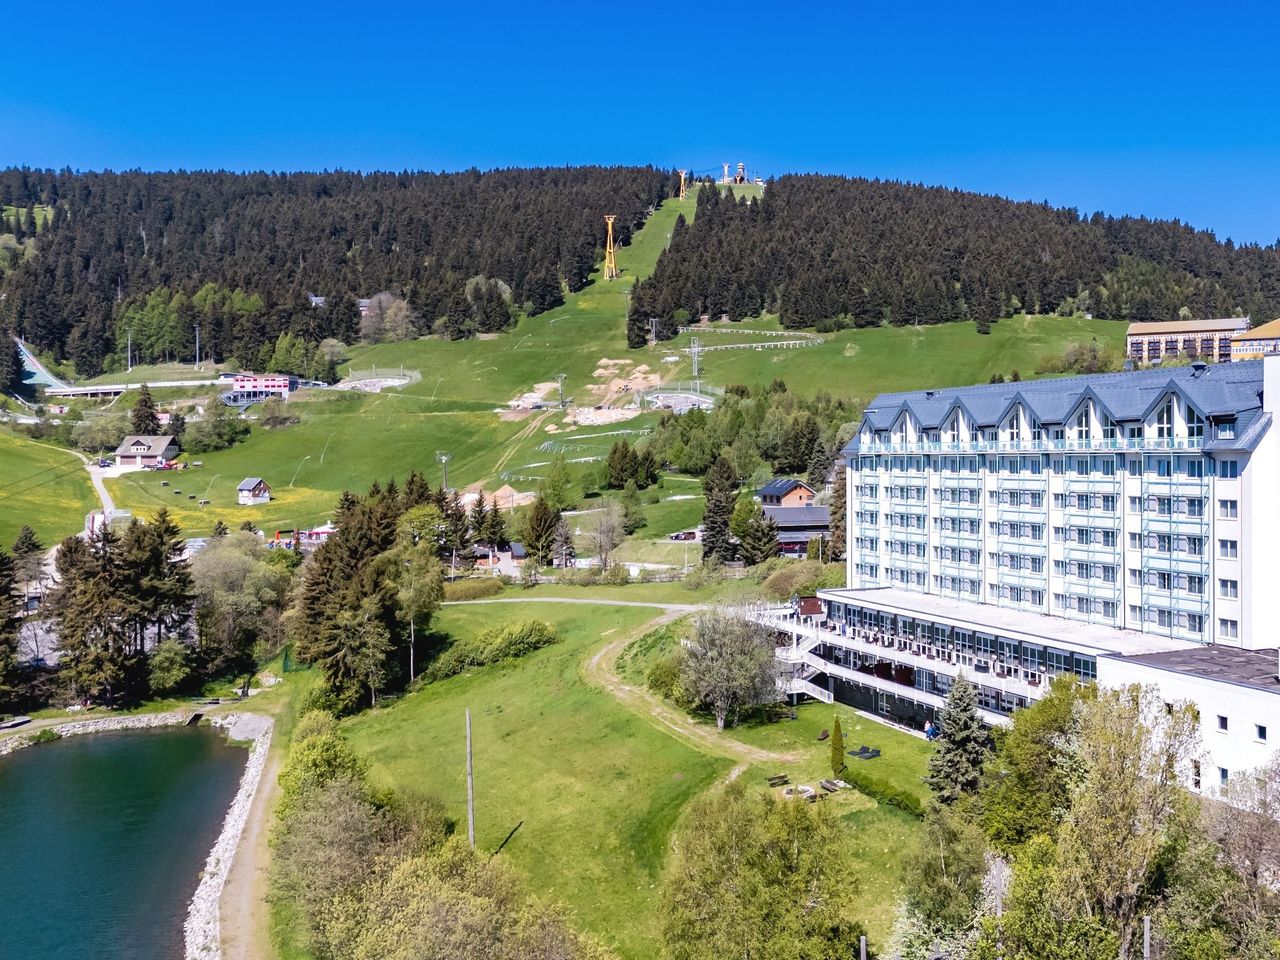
[(104, 241), (864, 252)]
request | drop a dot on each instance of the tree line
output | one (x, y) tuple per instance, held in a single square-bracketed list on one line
[(831, 251), (460, 248)]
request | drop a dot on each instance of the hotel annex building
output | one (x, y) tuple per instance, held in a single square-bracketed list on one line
[(1123, 528)]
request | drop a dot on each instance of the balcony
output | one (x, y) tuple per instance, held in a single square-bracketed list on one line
[(1100, 445)]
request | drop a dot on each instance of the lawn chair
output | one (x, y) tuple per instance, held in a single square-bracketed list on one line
[(824, 735), (860, 753)]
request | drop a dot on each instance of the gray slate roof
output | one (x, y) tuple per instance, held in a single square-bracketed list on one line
[(781, 486), (155, 446), (248, 483), (799, 516), (1216, 391)]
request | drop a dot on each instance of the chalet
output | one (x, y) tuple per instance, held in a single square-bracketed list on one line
[(253, 491), (785, 492), (145, 451), (798, 525)]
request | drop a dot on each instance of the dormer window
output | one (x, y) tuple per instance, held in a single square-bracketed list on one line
[(1226, 430)]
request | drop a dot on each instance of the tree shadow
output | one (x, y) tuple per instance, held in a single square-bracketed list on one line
[(507, 839)]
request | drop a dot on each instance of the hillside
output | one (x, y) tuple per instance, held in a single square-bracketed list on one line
[(245, 250), (44, 487), (834, 251)]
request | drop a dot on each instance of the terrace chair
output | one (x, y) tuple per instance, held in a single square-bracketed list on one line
[(824, 735), (871, 754), (860, 753)]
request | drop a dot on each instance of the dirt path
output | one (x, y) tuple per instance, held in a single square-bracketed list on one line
[(600, 669), (514, 443), (244, 915)]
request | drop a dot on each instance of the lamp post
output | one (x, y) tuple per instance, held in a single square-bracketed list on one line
[(209, 487), (300, 463), (326, 449)]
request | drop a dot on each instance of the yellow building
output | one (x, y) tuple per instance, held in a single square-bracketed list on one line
[(1256, 343)]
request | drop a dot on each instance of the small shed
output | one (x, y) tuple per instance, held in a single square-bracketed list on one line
[(252, 491)]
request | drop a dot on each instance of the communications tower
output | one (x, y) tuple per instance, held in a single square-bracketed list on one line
[(610, 253), (684, 190)]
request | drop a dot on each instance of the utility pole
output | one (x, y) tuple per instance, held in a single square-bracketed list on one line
[(610, 253), (197, 345), (471, 788), (684, 189), (560, 379), (129, 351), (443, 457), (1146, 938), (696, 349)]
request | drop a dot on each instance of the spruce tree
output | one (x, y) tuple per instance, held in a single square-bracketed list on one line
[(540, 532), (838, 509), (220, 529), (495, 527), (760, 539), (479, 518), (10, 606), (720, 485), (955, 768), (562, 548), (838, 764), (28, 556), (143, 418)]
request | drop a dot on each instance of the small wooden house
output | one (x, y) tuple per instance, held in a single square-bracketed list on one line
[(253, 491)]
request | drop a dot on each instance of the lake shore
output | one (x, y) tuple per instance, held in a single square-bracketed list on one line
[(202, 927)]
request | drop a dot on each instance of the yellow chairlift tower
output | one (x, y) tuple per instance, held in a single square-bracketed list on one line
[(610, 253), (684, 190)]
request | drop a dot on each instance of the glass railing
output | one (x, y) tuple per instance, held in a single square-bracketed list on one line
[(1033, 446)]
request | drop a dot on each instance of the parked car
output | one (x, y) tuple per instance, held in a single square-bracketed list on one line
[(104, 463), (685, 535)]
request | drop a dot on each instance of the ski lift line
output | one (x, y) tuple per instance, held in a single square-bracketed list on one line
[(47, 480), (31, 476)]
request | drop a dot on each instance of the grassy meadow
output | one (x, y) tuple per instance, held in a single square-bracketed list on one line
[(42, 486), (580, 793)]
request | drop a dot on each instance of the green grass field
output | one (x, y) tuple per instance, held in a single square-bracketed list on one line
[(584, 792), (42, 486)]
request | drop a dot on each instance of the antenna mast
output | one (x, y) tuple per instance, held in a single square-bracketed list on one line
[(610, 253)]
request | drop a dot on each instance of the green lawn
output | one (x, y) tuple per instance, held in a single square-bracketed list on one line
[(156, 372), (41, 486), (586, 790)]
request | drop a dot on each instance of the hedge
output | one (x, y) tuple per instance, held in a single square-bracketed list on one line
[(474, 589), (505, 642), (883, 790)]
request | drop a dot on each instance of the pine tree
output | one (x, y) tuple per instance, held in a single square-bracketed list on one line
[(720, 485), (955, 768), (555, 486), (562, 548), (28, 556), (540, 532), (220, 529), (838, 508), (633, 517), (10, 606), (495, 527), (479, 519), (838, 764), (143, 418), (760, 542)]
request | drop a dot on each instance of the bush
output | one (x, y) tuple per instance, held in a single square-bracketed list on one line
[(664, 677), (46, 735), (314, 723), (883, 790), (473, 589), (505, 642), (802, 578), (616, 576), (314, 763)]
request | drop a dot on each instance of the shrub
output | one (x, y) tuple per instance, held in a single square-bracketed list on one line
[(884, 791), (505, 642), (616, 576), (803, 578), (314, 723), (46, 735), (473, 589), (314, 763), (664, 677)]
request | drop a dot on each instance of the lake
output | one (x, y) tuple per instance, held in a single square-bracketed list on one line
[(103, 837)]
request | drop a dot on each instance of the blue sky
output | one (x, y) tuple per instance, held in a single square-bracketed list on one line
[(1169, 109)]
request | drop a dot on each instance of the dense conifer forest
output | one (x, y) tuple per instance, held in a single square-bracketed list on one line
[(241, 252), (830, 251)]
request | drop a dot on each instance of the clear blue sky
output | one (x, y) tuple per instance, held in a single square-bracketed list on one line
[(1165, 109)]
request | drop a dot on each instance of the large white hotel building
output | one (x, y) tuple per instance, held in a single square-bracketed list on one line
[(1123, 528)]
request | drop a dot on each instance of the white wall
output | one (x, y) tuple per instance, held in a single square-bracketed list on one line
[(1238, 748)]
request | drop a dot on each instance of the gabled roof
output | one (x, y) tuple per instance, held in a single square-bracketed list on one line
[(155, 446), (1215, 390), (781, 486), (248, 483)]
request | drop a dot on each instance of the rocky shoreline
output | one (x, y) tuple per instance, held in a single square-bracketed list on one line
[(202, 929), (203, 926)]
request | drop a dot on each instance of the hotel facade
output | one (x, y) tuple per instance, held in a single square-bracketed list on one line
[(1123, 528)]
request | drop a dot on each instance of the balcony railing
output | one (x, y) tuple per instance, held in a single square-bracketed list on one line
[(1034, 446)]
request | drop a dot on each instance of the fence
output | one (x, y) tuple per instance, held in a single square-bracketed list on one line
[(384, 373)]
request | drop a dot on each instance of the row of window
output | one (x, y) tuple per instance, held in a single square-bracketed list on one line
[(1105, 465)]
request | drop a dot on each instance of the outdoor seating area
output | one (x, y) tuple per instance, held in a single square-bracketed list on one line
[(864, 753)]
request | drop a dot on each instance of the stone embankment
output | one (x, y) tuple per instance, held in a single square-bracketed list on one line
[(202, 928)]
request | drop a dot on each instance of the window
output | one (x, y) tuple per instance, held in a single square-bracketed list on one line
[(1260, 732), (1228, 469), (1195, 424), (1228, 589), (1228, 629), (1222, 724), (1223, 776), (1228, 509), (1195, 774), (1227, 430), (1135, 504), (1195, 622), (1164, 421), (1228, 549), (1082, 425)]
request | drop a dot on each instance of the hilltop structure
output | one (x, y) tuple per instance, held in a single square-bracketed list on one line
[(1115, 527)]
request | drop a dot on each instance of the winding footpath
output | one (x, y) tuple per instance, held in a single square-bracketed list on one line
[(601, 670)]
